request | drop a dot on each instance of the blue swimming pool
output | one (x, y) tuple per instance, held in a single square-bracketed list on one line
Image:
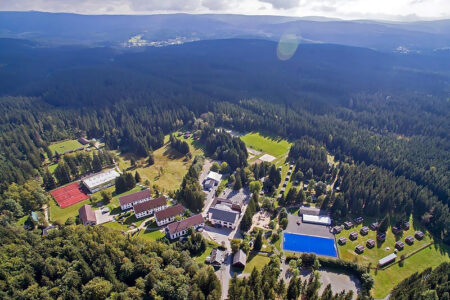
[(309, 244)]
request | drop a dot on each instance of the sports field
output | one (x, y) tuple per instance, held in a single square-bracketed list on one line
[(267, 145), (64, 146), (69, 195)]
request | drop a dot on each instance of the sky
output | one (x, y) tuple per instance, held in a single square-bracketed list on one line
[(398, 10)]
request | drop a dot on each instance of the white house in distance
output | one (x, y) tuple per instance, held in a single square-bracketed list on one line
[(224, 216), (168, 215), (128, 201), (180, 228), (100, 181), (87, 215), (149, 207), (212, 179)]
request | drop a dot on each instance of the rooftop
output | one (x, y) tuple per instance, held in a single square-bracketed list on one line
[(214, 175), (172, 211), (317, 219), (100, 178), (223, 215), (127, 199), (185, 224), (87, 214), (144, 206), (387, 259)]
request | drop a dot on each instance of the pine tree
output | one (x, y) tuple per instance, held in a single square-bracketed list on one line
[(137, 177), (258, 242), (96, 163), (151, 158), (49, 180)]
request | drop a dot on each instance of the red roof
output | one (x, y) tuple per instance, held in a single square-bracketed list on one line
[(185, 224), (87, 214), (144, 206), (127, 199), (172, 211)]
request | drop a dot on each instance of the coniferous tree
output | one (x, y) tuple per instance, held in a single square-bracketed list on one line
[(49, 180)]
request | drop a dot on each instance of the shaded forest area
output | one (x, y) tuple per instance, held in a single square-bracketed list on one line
[(388, 111)]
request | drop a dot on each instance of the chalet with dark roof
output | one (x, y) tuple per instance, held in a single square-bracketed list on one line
[(348, 225), (359, 249), (149, 207), (397, 230), (336, 229), (180, 228), (381, 237), (364, 230), (370, 243), (409, 240), (130, 200), (168, 215), (419, 235), (406, 225), (353, 236), (374, 226), (399, 245), (217, 257), (342, 241), (359, 220), (87, 215)]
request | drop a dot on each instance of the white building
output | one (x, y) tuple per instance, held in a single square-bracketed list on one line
[(180, 228), (213, 177), (223, 216), (128, 201), (100, 181), (168, 215), (321, 220), (149, 207)]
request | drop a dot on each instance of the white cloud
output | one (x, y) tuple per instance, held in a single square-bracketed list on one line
[(347, 9)]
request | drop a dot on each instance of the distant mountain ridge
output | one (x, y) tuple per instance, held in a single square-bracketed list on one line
[(115, 30)]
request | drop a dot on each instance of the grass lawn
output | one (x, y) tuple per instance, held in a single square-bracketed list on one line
[(59, 214), (64, 146), (116, 226), (52, 168), (347, 251), (169, 168), (386, 279), (151, 235), (22, 220), (273, 146), (256, 261)]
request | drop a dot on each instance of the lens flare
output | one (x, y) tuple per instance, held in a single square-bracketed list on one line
[(287, 46)]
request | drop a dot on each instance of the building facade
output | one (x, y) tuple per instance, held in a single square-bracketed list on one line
[(149, 207), (168, 215), (180, 228), (128, 201)]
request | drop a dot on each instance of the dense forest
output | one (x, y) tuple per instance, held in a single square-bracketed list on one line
[(78, 262), (364, 107)]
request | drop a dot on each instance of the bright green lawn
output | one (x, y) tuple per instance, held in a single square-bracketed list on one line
[(201, 258), (265, 144), (52, 168), (64, 146), (61, 215), (151, 235), (256, 261), (347, 251), (22, 220), (386, 279)]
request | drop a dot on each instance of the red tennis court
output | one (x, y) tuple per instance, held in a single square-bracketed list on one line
[(69, 195)]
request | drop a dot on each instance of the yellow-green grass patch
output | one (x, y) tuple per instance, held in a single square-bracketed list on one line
[(387, 279), (151, 235), (276, 147), (169, 168), (64, 146), (256, 261), (62, 214)]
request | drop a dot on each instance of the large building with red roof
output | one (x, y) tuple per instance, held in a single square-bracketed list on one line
[(149, 207), (168, 215), (128, 201), (180, 228)]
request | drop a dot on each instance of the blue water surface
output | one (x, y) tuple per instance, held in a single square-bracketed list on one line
[(309, 244)]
